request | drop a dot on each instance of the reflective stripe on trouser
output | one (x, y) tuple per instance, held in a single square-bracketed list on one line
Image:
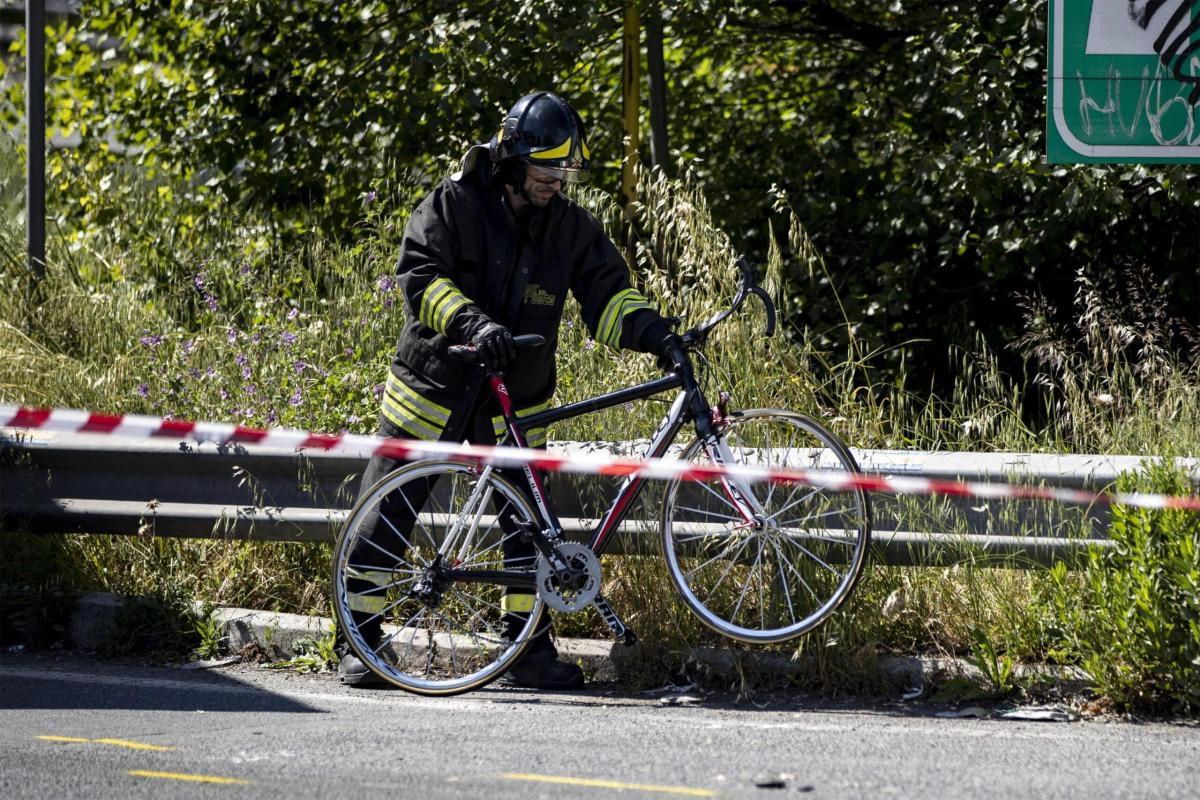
[(412, 413), (623, 303), (534, 437), (371, 600)]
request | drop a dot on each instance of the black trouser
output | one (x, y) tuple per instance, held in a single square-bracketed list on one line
[(384, 531)]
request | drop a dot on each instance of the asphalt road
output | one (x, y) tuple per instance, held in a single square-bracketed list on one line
[(71, 727)]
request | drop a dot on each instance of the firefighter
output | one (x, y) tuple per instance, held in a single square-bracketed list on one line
[(491, 253)]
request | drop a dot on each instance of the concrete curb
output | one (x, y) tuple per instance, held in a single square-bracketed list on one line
[(281, 636)]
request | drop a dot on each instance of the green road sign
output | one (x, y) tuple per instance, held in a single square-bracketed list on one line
[(1124, 82)]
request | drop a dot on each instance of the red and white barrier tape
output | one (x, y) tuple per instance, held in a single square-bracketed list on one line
[(142, 427)]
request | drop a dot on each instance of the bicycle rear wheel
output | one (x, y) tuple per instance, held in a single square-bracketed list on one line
[(420, 572), (786, 568)]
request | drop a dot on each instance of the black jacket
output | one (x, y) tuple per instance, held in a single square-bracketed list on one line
[(466, 256)]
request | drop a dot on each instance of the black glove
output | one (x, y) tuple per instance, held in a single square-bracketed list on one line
[(495, 346), (671, 354), (659, 339)]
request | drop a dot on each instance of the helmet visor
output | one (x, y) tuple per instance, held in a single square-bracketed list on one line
[(544, 173)]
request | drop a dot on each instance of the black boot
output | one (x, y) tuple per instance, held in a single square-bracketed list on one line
[(351, 669), (540, 668)]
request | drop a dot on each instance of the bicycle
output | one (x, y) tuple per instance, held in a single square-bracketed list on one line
[(759, 563)]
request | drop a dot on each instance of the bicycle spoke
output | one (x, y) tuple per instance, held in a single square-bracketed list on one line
[(718, 557), (787, 594), (746, 587), (724, 499), (383, 550), (848, 541), (790, 505), (709, 513), (732, 563), (813, 556)]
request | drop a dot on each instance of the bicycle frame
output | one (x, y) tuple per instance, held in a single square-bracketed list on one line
[(689, 405)]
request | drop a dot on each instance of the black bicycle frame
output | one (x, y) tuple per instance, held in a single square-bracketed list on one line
[(687, 403)]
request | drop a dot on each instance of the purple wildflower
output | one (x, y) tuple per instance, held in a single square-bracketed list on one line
[(300, 366), (378, 391), (296, 398), (256, 338), (353, 420), (386, 284), (295, 312), (245, 372), (199, 281), (143, 390), (289, 338), (589, 344), (240, 359), (152, 341), (272, 417), (250, 390), (211, 302), (232, 334), (224, 395), (370, 196), (194, 373), (188, 346)]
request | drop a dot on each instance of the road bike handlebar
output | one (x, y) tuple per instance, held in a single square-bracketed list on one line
[(747, 287), (467, 352)]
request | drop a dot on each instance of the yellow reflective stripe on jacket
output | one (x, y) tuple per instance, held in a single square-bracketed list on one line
[(406, 409), (534, 437), (608, 332), (439, 302), (517, 603)]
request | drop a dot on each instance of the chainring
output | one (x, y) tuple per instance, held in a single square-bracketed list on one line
[(569, 599)]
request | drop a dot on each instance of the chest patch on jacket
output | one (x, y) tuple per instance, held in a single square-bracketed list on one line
[(537, 296)]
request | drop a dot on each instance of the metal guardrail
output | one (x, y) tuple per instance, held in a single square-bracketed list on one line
[(58, 484)]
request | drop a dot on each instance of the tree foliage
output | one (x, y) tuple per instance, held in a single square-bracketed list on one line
[(909, 136)]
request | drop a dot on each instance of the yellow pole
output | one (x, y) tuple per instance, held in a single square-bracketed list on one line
[(630, 100)]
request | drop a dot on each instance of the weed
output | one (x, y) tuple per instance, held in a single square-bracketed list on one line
[(1130, 619), (208, 628)]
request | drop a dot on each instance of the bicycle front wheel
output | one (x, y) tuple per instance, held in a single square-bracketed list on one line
[(421, 572), (766, 562)]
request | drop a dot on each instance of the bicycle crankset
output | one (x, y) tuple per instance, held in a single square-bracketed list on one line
[(574, 591)]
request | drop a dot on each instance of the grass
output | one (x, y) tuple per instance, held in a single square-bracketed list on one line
[(172, 305)]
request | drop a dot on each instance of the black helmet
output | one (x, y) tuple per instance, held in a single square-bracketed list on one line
[(541, 129)]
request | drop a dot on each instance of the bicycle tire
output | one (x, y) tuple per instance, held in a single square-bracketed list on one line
[(780, 575), (428, 635)]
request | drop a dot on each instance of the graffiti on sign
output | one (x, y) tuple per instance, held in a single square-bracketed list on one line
[(1124, 81)]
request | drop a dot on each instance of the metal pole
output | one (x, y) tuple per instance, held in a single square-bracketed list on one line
[(658, 90), (35, 135), (630, 100)]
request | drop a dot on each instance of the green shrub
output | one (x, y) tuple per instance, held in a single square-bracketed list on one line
[(1132, 618)]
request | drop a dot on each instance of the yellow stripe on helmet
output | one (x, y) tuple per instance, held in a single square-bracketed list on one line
[(562, 151)]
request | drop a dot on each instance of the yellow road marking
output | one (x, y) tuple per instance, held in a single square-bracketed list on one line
[(114, 742), (641, 787), (183, 776)]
